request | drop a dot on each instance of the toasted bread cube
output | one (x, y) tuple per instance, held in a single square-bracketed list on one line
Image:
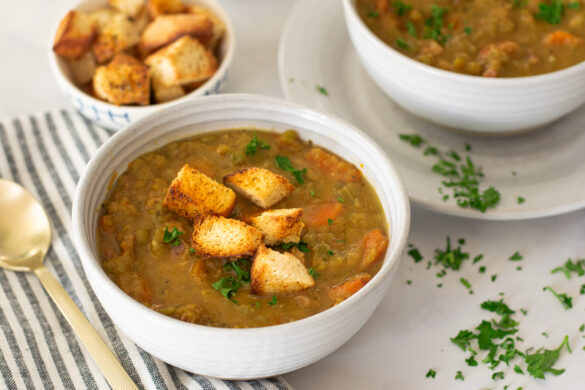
[(75, 34), (346, 289), (219, 237), (123, 81), (102, 17), (162, 93), (274, 273), (160, 7), (280, 226), (192, 193), (141, 20), (118, 34), (182, 62), (128, 7), (218, 24), (168, 28), (261, 186), (83, 69)]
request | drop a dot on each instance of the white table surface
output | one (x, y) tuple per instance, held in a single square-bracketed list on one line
[(409, 332)]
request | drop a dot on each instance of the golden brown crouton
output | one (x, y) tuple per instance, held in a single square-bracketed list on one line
[(75, 34), (129, 7), (346, 289), (102, 17), (123, 81), (162, 93), (279, 226), (160, 7), (183, 61), (192, 193), (168, 28), (259, 185), (83, 68), (274, 272), (117, 34), (219, 237), (218, 24)]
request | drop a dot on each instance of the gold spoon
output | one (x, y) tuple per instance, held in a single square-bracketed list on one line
[(25, 237)]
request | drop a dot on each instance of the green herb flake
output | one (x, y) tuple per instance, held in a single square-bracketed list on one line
[(411, 29), (494, 277), (481, 270), (521, 200), (257, 304), (551, 13), (401, 43), (409, 282), (373, 14), (471, 362), (254, 144), (570, 266), (465, 282), (542, 361), (544, 334), (312, 193), (413, 139), (468, 30), (227, 286), (434, 24), (400, 7), (451, 257), (564, 299), (574, 6), (515, 257), (340, 199), (582, 328), (477, 259), (459, 376), (498, 375), (329, 221), (321, 89), (283, 163), (415, 254), (172, 237), (273, 301), (582, 291), (313, 273), (431, 373)]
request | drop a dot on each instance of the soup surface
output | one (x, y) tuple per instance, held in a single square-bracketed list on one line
[(491, 38), (342, 243)]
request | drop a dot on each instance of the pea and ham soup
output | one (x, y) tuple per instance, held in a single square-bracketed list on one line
[(241, 228), (490, 38)]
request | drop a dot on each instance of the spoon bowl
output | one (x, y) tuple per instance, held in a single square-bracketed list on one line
[(25, 238)]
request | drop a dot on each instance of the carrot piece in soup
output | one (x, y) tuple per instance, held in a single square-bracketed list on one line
[(561, 38), (320, 215), (333, 166), (382, 5), (346, 289), (374, 246)]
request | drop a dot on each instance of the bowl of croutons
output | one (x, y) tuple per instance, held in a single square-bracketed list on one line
[(119, 60)]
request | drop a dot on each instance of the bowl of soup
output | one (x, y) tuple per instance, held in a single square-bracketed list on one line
[(240, 236), (480, 66)]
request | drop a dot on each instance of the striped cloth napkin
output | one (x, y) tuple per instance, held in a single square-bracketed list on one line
[(47, 153)]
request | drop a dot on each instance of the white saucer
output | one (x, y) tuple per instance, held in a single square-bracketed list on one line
[(549, 163)]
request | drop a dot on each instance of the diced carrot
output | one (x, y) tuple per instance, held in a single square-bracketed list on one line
[(382, 5), (374, 245), (106, 223), (333, 166), (561, 38), (320, 215), (349, 287)]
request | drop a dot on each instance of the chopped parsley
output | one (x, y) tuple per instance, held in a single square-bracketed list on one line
[(321, 89), (312, 193), (564, 299), (313, 273), (241, 267), (521, 200), (283, 162), (340, 199), (518, 370), (431, 373), (273, 301), (227, 286), (494, 276), (301, 245), (515, 257), (330, 253), (409, 282), (414, 253), (450, 257), (400, 7), (471, 362), (411, 29), (435, 23), (551, 13), (498, 375), (172, 237), (578, 267), (468, 30), (459, 376), (481, 270), (329, 221), (254, 144), (465, 282), (401, 43), (582, 291), (373, 14), (542, 361), (192, 250), (477, 258), (575, 5), (413, 139)]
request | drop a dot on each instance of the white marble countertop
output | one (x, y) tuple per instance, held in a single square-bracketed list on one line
[(409, 332)]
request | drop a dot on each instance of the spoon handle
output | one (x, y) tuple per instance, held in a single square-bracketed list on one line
[(105, 359)]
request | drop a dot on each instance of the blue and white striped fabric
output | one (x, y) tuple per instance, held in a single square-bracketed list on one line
[(47, 154)]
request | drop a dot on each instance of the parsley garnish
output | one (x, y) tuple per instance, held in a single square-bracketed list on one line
[(431, 373), (410, 28), (552, 13), (465, 282), (313, 273), (373, 14), (576, 5), (284, 163), (400, 7), (273, 301), (340, 199), (254, 144), (434, 24), (172, 237), (329, 221), (542, 361), (582, 291), (415, 254), (468, 30), (577, 267), (301, 245), (413, 139), (459, 376), (515, 257), (494, 276), (450, 257), (401, 43), (227, 286), (565, 300), (498, 375), (321, 89), (521, 200), (241, 267), (471, 362)]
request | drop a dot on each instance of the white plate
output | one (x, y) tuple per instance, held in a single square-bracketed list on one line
[(549, 163)]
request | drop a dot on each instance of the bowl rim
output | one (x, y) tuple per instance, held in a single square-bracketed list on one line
[(391, 261), (350, 11), (220, 73)]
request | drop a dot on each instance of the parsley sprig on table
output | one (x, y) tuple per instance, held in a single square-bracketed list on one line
[(564, 299), (254, 144), (283, 162), (172, 237), (462, 176), (578, 267)]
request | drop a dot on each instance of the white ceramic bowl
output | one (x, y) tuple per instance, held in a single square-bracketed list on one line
[(478, 104), (115, 117), (238, 353)]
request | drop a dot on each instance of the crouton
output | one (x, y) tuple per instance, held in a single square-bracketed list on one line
[(219, 237), (349, 287), (117, 34), (129, 7), (279, 226), (83, 68), (123, 81), (75, 34), (192, 193), (374, 246), (261, 186), (274, 273), (141, 20), (183, 61), (168, 28), (102, 17), (218, 24), (162, 93), (160, 7)]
